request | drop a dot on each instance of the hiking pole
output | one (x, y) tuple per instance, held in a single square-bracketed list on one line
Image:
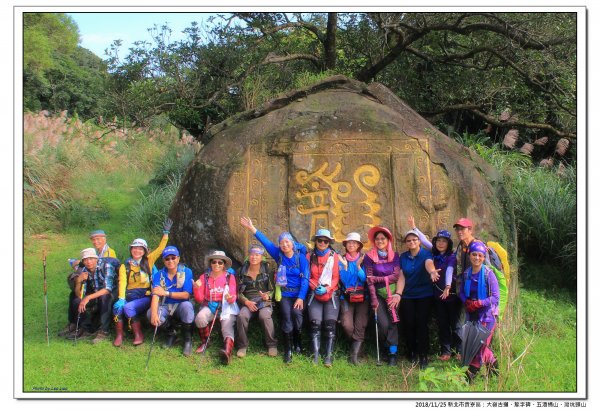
[(377, 339), (160, 303), (46, 297), (83, 287)]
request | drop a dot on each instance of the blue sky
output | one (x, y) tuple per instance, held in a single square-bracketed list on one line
[(98, 30)]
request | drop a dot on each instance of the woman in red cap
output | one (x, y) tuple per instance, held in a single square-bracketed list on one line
[(382, 265)]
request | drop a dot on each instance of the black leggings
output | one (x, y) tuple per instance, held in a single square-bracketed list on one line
[(291, 319), (414, 314)]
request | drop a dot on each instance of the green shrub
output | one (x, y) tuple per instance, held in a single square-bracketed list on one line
[(172, 165)]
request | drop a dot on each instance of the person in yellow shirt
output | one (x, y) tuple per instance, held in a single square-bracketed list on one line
[(134, 285)]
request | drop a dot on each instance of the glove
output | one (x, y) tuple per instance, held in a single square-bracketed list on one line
[(476, 305), (167, 226), (118, 306), (470, 305), (213, 305), (320, 290)]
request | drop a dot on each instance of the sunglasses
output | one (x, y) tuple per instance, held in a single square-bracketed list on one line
[(170, 258), (217, 262), (322, 240)]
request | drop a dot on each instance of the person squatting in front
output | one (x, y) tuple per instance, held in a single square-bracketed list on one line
[(354, 304), (382, 265), (171, 291), (291, 281), (93, 290), (480, 295), (445, 300), (255, 294), (134, 286), (216, 292), (323, 298)]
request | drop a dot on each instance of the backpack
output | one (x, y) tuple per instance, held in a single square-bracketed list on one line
[(501, 268)]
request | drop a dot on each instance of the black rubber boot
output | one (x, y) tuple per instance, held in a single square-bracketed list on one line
[(186, 330), (329, 344), (171, 337), (393, 360), (315, 342), (354, 350), (423, 362), (298, 342), (287, 349)]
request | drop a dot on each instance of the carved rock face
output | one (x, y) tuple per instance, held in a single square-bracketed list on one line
[(339, 155)]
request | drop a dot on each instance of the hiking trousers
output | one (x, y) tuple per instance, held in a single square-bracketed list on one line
[(265, 318), (204, 319), (319, 312), (184, 312), (447, 314), (388, 330), (355, 317), (291, 318), (97, 315), (414, 315)]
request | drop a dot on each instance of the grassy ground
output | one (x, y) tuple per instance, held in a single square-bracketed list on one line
[(535, 344)]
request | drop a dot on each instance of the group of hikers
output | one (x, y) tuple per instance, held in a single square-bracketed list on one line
[(322, 286)]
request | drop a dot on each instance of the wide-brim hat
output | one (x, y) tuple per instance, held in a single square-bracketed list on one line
[(88, 253), (353, 237), (443, 234), (217, 254), (323, 232), (463, 222), (384, 230)]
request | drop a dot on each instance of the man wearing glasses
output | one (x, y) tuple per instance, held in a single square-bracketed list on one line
[(171, 291)]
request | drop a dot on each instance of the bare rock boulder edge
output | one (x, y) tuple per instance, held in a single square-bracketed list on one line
[(338, 154)]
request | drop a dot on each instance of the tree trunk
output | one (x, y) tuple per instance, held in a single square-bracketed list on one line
[(330, 51)]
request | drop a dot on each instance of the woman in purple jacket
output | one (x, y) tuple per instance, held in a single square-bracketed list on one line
[(382, 265), (480, 295)]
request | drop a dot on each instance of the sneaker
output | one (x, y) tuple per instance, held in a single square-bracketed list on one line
[(100, 336), (272, 352), (444, 357), (241, 352), (69, 328)]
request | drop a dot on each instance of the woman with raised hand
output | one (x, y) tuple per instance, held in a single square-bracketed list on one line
[(445, 300), (354, 302), (481, 297), (255, 294), (216, 291), (292, 276), (323, 298), (382, 265), (135, 275)]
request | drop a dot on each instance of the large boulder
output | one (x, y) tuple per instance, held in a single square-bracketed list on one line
[(340, 155)]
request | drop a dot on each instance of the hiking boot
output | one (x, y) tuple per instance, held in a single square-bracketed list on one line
[(241, 353), (272, 351), (393, 360), (354, 350), (297, 342), (138, 336), (226, 351), (187, 339), (287, 343), (101, 335), (69, 328), (471, 374), (444, 357), (119, 331), (423, 362), (81, 333), (203, 333)]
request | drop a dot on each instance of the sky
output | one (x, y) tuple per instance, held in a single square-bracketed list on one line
[(99, 30)]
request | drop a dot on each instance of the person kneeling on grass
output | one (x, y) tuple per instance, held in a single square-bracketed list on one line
[(216, 290), (171, 291), (255, 292), (93, 288)]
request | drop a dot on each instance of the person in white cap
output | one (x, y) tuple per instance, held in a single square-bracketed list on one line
[(93, 288), (135, 275), (323, 297), (354, 301)]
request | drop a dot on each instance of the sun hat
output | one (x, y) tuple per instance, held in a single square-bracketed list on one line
[(477, 246), (256, 249), (217, 255), (353, 237), (410, 232), (139, 242), (88, 253), (463, 222), (443, 234), (97, 233), (323, 232), (374, 230), (170, 250)]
